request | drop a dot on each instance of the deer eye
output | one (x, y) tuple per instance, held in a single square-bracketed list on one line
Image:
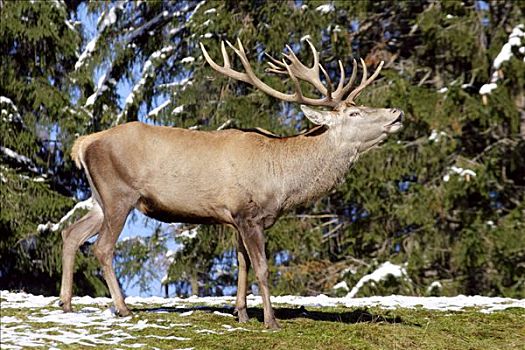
[(354, 114)]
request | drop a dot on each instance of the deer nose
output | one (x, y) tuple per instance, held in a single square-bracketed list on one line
[(398, 111)]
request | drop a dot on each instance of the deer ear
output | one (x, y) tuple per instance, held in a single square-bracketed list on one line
[(318, 117)]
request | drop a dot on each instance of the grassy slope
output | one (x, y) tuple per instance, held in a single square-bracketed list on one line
[(327, 328)]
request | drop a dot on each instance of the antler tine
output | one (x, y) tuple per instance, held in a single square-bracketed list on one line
[(341, 76), (295, 69), (364, 82), (244, 60), (308, 74), (301, 71), (226, 70), (365, 71), (274, 60), (274, 69), (275, 65), (353, 76), (314, 52), (297, 86), (225, 57), (342, 91), (255, 81), (330, 86)]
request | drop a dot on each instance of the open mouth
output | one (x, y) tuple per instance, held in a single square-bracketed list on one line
[(395, 125), (399, 120)]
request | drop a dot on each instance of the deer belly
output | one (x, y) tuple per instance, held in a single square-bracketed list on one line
[(177, 212)]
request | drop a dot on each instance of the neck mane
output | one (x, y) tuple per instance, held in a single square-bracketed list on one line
[(309, 165)]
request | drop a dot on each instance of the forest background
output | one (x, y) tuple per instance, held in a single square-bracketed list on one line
[(443, 200)]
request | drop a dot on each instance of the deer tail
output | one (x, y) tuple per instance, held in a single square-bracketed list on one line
[(79, 148)]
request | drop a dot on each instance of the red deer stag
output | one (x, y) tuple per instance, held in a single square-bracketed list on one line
[(232, 177)]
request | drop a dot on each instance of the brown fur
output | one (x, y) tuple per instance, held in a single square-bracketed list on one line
[(75, 151), (78, 149), (242, 179)]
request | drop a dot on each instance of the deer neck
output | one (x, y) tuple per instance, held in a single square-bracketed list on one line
[(313, 165)]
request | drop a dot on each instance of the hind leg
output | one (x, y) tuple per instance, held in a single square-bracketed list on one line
[(115, 217), (242, 280), (73, 237)]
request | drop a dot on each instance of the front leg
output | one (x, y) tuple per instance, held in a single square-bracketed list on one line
[(253, 238), (243, 263)]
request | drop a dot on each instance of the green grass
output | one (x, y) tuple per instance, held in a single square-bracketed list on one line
[(315, 328)]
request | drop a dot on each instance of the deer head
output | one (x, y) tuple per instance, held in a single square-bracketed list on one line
[(364, 126)]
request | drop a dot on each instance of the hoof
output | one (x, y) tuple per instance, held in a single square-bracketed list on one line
[(60, 303), (123, 313), (65, 307), (272, 325), (242, 315)]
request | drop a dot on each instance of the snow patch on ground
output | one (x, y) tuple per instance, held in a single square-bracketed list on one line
[(89, 327), (12, 300), (40, 323)]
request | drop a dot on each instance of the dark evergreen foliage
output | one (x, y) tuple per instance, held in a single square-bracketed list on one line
[(445, 196)]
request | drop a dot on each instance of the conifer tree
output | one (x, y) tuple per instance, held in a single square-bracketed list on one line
[(444, 198), (38, 44)]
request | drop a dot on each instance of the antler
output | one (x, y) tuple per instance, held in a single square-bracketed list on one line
[(296, 70)]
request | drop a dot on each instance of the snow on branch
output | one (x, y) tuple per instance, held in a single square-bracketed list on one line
[(381, 273), (182, 82), (148, 74), (154, 112), (162, 18), (188, 59), (102, 86), (84, 205), (18, 158), (464, 173), (326, 8), (106, 20), (188, 19), (191, 234), (61, 6), (515, 40), (159, 19), (506, 51), (9, 111)]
